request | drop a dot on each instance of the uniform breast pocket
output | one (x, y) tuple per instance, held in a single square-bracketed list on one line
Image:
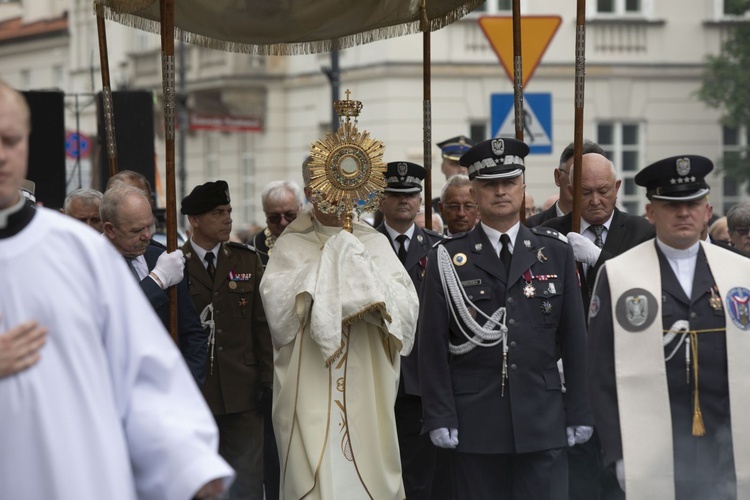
[(476, 293), (240, 299), (547, 304)]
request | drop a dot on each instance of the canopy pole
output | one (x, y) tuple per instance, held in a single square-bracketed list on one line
[(166, 8), (580, 77), (108, 111), (518, 87), (427, 114)]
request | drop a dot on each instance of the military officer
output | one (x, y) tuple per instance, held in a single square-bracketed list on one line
[(499, 306), (224, 280), (403, 198), (450, 152), (667, 355)]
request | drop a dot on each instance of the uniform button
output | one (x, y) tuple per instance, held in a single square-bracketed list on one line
[(693, 315), (510, 300), (481, 292), (513, 344), (217, 311), (216, 294), (471, 296), (219, 331), (511, 321), (221, 349), (512, 367)]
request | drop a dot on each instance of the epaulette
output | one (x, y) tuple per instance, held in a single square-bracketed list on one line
[(550, 233), (452, 237), (243, 246)]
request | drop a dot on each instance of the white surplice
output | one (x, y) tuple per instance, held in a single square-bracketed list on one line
[(110, 411)]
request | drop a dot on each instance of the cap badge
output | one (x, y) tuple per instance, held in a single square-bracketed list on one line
[(683, 166), (498, 147), (459, 259), (402, 169)]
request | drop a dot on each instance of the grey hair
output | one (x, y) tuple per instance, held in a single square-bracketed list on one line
[(277, 190), (458, 180), (113, 198), (306, 174), (587, 147), (88, 197), (738, 216)]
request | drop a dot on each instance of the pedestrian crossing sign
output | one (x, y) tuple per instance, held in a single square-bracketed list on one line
[(537, 120)]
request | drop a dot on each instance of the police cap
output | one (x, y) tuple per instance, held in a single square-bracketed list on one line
[(206, 197), (495, 159), (404, 177), (453, 148), (679, 178)]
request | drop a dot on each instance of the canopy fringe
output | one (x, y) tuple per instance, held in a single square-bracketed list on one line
[(287, 49)]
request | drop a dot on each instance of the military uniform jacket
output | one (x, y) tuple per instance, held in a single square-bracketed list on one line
[(261, 248), (243, 354), (416, 262), (464, 391), (698, 459)]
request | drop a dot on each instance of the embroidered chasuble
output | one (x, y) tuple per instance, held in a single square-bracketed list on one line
[(342, 310), (677, 418)]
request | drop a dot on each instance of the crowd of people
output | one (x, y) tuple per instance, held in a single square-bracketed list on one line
[(484, 358)]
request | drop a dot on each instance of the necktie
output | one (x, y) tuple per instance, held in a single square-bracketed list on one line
[(598, 230), (210, 267), (401, 238), (132, 268), (505, 254)]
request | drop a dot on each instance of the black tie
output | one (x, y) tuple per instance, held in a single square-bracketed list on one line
[(401, 238), (505, 252), (210, 267), (598, 230), (132, 268)]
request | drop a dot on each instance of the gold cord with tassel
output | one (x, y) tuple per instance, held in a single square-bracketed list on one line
[(699, 428)]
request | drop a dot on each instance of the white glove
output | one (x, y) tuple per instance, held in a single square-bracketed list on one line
[(169, 268), (620, 473), (583, 248), (444, 437), (579, 434)]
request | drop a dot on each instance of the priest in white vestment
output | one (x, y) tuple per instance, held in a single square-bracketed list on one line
[(110, 410), (342, 310)]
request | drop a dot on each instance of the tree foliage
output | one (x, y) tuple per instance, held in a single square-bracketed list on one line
[(726, 85)]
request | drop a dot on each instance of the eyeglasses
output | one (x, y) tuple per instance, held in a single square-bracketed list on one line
[(456, 207), (742, 231), (276, 218)]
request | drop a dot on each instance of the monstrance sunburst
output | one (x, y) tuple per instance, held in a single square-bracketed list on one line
[(347, 173)]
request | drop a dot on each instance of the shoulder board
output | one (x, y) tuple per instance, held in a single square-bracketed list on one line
[(243, 246), (432, 233), (451, 238), (549, 233)]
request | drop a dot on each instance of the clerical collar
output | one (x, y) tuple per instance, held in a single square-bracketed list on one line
[(676, 253), (15, 218), (327, 230)]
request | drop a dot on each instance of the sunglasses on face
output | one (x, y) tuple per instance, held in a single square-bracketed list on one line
[(276, 218)]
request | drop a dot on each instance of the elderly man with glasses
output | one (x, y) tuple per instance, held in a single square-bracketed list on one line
[(457, 205), (282, 201)]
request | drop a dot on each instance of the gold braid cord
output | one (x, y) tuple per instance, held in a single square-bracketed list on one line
[(347, 173)]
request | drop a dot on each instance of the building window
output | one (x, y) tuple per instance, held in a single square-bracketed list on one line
[(618, 8), (734, 150), (494, 7), (623, 144), (733, 8), (478, 132)]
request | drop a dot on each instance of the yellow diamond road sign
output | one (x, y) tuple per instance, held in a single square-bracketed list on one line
[(536, 34)]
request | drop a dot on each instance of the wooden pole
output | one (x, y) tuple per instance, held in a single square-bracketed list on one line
[(166, 8), (108, 111), (518, 85), (427, 114), (580, 77)]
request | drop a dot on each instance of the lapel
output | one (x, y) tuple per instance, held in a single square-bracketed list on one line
[(417, 248), (702, 279), (484, 253), (523, 256), (616, 234), (669, 282), (223, 264), (151, 256), (195, 266)]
